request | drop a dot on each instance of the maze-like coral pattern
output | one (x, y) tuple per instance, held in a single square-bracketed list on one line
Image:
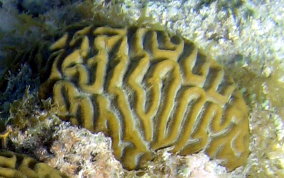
[(17, 165), (148, 90)]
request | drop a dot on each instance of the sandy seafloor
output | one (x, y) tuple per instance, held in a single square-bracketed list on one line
[(246, 36)]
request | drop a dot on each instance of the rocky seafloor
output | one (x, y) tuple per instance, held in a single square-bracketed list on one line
[(246, 36)]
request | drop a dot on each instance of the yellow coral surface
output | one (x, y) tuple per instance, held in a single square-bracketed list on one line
[(148, 90), (18, 165)]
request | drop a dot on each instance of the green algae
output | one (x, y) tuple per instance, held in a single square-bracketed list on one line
[(26, 112), (261, 83)]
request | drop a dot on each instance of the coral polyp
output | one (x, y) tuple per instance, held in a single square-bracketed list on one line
[(147, 90)]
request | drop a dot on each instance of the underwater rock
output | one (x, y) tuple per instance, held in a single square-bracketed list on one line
[(19, 165), (147, 91)]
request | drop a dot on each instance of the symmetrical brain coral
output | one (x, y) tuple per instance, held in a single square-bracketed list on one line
[(18, 165), (147, 90)]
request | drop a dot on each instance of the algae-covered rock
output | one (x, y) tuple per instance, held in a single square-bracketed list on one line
[(19, 165)]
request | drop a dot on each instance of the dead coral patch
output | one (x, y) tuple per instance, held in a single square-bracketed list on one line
[(78, 152)]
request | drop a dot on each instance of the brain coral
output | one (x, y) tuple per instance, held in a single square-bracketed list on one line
[(147, 90), (18, 165)]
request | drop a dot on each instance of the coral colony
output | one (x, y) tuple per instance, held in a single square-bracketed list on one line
[(147, 91)]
